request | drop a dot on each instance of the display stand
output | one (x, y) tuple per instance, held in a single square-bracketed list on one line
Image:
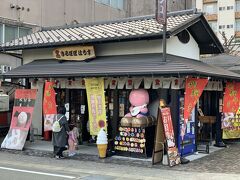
[(135, 141)]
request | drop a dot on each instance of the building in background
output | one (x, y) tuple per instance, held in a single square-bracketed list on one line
[(223, 16), (143, 7)]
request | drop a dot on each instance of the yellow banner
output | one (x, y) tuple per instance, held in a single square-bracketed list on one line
[(96, 104), (77, 53), (231, 125)]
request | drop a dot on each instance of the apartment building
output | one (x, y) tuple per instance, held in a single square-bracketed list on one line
[(223, 16), (146, 7)]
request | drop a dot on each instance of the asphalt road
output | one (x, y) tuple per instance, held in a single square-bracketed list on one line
[(22, 167)]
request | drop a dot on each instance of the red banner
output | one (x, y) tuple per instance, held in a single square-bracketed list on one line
[(21, 119), (194, 88), (49, 106), (231, 97), (172, 150), (49, 101)]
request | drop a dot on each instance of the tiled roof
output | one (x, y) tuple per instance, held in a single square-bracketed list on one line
[(131, 28)]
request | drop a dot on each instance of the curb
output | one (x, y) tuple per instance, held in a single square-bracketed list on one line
[(83, 157)]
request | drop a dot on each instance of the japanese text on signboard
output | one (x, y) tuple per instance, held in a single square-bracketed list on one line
[(74, 53)]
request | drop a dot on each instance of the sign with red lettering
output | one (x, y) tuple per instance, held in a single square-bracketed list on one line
[(21, 119), (193, 90), (172, 151), (231, 97), (161, 11)]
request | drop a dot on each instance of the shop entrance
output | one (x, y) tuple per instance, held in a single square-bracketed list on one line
[(75, 101)]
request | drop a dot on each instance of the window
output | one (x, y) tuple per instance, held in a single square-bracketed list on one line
[(229, 7), (1, 33), (222, 27), (213, 25), (221, 8), (237, 6), (24, 31), (118, 4), (229, 26), (11, 33), (237, 24), (210, 8)]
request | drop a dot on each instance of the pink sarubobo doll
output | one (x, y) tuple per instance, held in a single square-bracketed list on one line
[(139, 100)]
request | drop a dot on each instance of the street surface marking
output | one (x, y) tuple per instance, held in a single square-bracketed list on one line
[(35, 172)]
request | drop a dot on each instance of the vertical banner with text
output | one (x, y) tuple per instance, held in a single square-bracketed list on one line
[(21, 119), (172, 151), (49, 105), (231, 111), (96, 104), (161, 11), (193, 90)]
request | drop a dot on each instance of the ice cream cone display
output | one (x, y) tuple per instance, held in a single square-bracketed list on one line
[(102, 150), (102, 143)]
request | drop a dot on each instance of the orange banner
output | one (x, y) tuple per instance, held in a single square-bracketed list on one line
[(231, 97), (49, 102), (49, 106), (194, 88)]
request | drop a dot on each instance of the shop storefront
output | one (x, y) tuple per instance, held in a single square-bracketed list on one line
[(125, 56)]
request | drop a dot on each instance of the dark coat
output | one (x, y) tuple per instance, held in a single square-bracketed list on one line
[(59, 139)]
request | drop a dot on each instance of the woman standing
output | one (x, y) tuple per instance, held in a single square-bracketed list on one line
[(60, 138)]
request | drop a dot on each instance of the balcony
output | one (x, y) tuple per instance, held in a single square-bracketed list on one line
[(237, 15), (209, 1), (211, 17), (237, 34)]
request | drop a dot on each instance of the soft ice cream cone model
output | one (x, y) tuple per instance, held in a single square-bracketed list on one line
[(102, 143)]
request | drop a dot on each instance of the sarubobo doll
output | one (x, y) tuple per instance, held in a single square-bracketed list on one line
[(139, 99)]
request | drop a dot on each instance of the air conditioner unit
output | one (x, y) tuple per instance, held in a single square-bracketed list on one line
[(3, 69)]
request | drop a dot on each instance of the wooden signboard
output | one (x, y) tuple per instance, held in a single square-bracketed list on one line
[(172, 151), (77, 53)]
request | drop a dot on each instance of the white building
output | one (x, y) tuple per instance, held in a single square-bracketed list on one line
[(222, 15)]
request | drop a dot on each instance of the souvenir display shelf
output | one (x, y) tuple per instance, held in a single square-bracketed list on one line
[(135, 141)]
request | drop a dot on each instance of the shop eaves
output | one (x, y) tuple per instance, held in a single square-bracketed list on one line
[(130, 29), (125, 65)]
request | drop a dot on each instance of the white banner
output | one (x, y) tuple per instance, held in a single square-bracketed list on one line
[(137, 82), (121, 82), (113, 83), (148, 82), (220, 86), (106, 82), (157, 83), (129, 83), (177, 83), (166, 82)]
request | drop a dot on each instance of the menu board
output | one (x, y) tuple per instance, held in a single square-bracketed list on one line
[(172, 151), (131, 140)]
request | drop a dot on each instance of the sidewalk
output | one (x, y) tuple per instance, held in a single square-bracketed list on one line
[(223, 160)]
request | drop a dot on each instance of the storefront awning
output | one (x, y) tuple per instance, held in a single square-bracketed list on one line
[(125, 65)]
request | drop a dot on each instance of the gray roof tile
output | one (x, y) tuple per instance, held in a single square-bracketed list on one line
[(127, 28), (122, 66)]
